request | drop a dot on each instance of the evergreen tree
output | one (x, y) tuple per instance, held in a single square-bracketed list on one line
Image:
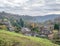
[(56, 26), (21, 23)]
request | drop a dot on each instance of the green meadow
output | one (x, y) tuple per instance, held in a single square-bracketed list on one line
[(13, 39)]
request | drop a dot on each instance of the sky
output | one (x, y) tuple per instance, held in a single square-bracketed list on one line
[(31, 7)]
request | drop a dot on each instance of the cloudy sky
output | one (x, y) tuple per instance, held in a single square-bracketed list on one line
[(31, 7)]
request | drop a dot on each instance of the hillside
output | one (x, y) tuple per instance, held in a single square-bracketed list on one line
[(13, 39), (46, 17), (30, 18)]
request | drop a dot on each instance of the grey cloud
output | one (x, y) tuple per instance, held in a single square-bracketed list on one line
[(49, 6)]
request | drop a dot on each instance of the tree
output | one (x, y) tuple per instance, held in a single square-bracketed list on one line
[(17, 29), (21, 23), (56, 26), (35, 29)]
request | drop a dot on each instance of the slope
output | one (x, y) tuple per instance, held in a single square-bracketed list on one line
[(13, 39)]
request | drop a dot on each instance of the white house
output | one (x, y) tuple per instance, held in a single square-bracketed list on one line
[(26, 31)]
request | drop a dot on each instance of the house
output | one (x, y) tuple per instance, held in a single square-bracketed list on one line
[(26, 31), (8, 24), (44, 32)]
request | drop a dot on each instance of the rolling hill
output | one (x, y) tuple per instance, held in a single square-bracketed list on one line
[(30, 18), (13, 39)]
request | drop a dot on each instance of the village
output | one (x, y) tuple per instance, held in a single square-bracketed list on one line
[(49, 29), (35, 30)]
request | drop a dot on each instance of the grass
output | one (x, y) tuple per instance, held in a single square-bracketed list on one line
[(13, 39)]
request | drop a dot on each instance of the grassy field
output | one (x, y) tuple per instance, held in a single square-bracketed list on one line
[(13, 39)]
